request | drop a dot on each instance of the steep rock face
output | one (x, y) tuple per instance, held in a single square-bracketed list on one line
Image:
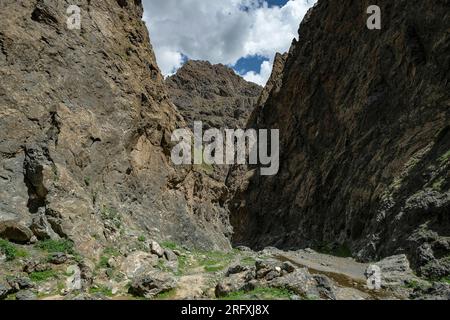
[(213, 94), (364, 119), (86, 121)]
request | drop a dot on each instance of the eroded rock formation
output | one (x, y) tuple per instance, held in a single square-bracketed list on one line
[(364, 119), (86, 121)]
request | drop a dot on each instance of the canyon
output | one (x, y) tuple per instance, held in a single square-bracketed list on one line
[(87, 183)]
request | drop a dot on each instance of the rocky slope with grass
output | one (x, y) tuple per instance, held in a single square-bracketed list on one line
[(364, 119), (86, 123)]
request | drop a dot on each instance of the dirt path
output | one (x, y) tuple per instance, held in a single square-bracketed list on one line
[(346, 272)]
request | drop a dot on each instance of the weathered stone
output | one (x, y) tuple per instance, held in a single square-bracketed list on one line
[(58, 258), (26, 295), (152, 283), (138, 262), (15, 232), (156, 249), (170, 255), (5, 290), (234, 283)]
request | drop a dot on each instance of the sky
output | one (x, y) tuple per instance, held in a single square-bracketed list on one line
[(243, 34)]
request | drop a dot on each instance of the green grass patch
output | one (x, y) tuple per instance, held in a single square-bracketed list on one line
[(54, 246), (141, 238), (101, 290), (445, 157), (166, 295), (42, 276), (169, 245), (248, 261), (261, 294), (8, 249), (214, 261), (446, 279)]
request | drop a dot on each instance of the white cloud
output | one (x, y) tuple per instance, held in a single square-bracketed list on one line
[(262, 77), (221, 31)]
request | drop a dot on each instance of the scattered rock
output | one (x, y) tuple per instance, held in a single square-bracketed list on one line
[(170, 255), (235, 282), (288, 267), (26, 295), (236, 269), (20, 283), (15, 232), (35, 266), (395, 271), (156, 249), (138, 262), (58, 258), (151, 284), (5, 290)]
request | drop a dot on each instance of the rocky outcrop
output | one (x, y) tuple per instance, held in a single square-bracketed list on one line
[(86, 121), (365, 137), (214, 94)]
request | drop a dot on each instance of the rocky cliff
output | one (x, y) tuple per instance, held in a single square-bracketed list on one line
[(364, 119), (86, 120), (214, 94)]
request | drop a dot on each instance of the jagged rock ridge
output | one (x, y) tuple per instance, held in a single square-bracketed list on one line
[(213, 94)]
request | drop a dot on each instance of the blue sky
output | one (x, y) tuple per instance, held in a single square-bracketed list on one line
[(243, 34)]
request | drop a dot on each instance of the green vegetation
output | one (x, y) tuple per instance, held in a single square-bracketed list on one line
[(248, 261), (446, 279), (169, 245), (8, 249), (412, 284), (166, 295), (112, 215), (445, 157), (53, 246), (215, 260), (101, 290), (104, 258), (261, 294), (41, 276), (87, 181), (11, 251), (438, 184), (141, 238)]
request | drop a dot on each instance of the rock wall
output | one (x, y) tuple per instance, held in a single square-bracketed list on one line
[(86, 120), (364, 119)]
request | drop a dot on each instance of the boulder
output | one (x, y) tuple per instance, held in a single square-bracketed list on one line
[(58, 258), (235, 282), (170, 255), (395, 271), (138, 262), (150, 284), (15, 232), (5, 290), (156, 249), (26, 295)]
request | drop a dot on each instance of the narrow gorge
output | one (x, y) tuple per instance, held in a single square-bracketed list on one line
[(91, 206)]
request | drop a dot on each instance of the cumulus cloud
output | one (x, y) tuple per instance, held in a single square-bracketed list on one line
[(221, 31), (261, 77)]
